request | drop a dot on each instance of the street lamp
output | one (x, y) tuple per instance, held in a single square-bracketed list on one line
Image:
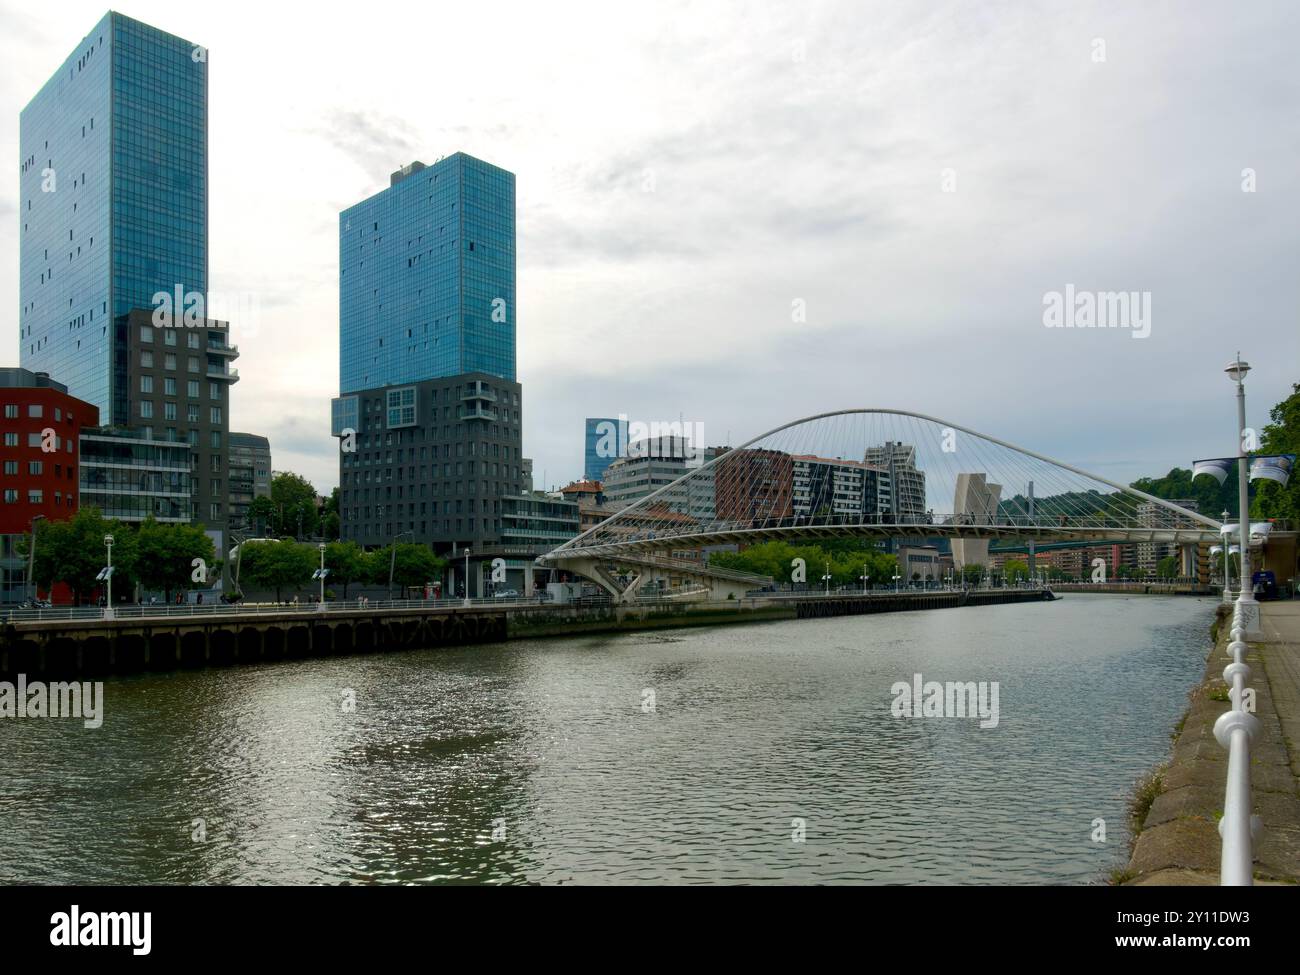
[(392, 561), (323, 572), (31, 559), (1236, 371), (865, 577), (467, 602), (827, 577), (108, 576), (896, 584)]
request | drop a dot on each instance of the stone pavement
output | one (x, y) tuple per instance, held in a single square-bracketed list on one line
[(1179, 841)]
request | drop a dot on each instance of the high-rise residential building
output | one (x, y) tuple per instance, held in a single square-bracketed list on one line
[(826, 489), (907, 481), (113, 241), (39, 428), (1147, 555), (427, 277), (605, 442), (754, 485), (250, 475), (429, 415)]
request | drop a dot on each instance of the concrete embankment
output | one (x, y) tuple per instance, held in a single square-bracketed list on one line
[(1178, 842), (129, 645)]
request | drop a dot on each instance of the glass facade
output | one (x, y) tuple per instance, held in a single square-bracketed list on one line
[(130, 478), (113, 199), (427, 277), (606, 441)]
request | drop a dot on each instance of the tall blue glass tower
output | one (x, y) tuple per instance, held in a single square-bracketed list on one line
[(427, 277), (114, 202)]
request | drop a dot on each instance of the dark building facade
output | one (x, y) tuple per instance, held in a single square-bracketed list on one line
[(250, 475), (433, 458)]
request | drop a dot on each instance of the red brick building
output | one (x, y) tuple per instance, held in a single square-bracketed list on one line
[(40, 425)]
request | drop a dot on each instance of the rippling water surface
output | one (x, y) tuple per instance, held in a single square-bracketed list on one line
[(547, 742)]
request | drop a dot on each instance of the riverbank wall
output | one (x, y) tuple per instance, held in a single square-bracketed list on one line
[(1177, 813), (97, 647)]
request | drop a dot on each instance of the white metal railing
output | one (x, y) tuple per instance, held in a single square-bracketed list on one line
[(1236, 729)]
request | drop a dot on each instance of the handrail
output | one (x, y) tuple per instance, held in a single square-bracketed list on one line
[(1236, 729)]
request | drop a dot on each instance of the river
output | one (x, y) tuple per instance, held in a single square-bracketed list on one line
[(763, 753)]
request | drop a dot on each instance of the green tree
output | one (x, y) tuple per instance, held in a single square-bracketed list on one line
[(1167, 568), (1015, 571), (329, 517), (263, 517), (347, 564), (165, 555), (73, 552), (278, 565), (1280, 436), (294, 501)]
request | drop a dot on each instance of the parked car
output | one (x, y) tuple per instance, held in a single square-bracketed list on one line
[(506, 594)]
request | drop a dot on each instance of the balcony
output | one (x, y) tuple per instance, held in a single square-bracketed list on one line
[(222, 373), (477, 411), (479, 392), (230, 351)]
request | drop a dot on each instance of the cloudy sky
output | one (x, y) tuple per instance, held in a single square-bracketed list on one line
[(916, 177)]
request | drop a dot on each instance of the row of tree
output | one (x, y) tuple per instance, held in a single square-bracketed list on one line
[(156, 556), (844, 563), (286, 564)]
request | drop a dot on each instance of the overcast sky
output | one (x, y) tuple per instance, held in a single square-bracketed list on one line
[(918, 175)]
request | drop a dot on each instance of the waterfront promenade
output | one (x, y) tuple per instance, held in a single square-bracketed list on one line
[(1179, 840)]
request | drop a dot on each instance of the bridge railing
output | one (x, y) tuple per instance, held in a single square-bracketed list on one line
[(1236, 730)]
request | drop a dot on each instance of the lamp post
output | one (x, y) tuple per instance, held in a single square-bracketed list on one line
[(392, 561), (865, 577), (1236, 371), (896, 583), (31, 559), (108, 605), (827, 577), (322, 576), (467, 602)]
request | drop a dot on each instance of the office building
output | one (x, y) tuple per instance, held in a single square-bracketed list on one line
[(826, 489), (907, 482), (113, 267), (606, 441), (427, 277), (429, 414)]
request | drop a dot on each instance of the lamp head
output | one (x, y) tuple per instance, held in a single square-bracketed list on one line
[(1237, 369)]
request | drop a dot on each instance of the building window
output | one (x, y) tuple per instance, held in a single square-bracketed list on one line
[(169, 386), (192, 340), (35, 496), (146, 334), (146, 359), (35, 467), (169, 360), (193, 364), (216, 440), (146, 409), (146, 384), (169, 337), (11, 497), (11, 467), (169, 410), (215, 414), (214, 391), (11, 440), (34, 410), (192, 412)]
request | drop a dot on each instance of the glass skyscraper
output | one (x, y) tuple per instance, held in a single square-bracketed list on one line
[(605, 442), (114, 203), (427, 277)]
